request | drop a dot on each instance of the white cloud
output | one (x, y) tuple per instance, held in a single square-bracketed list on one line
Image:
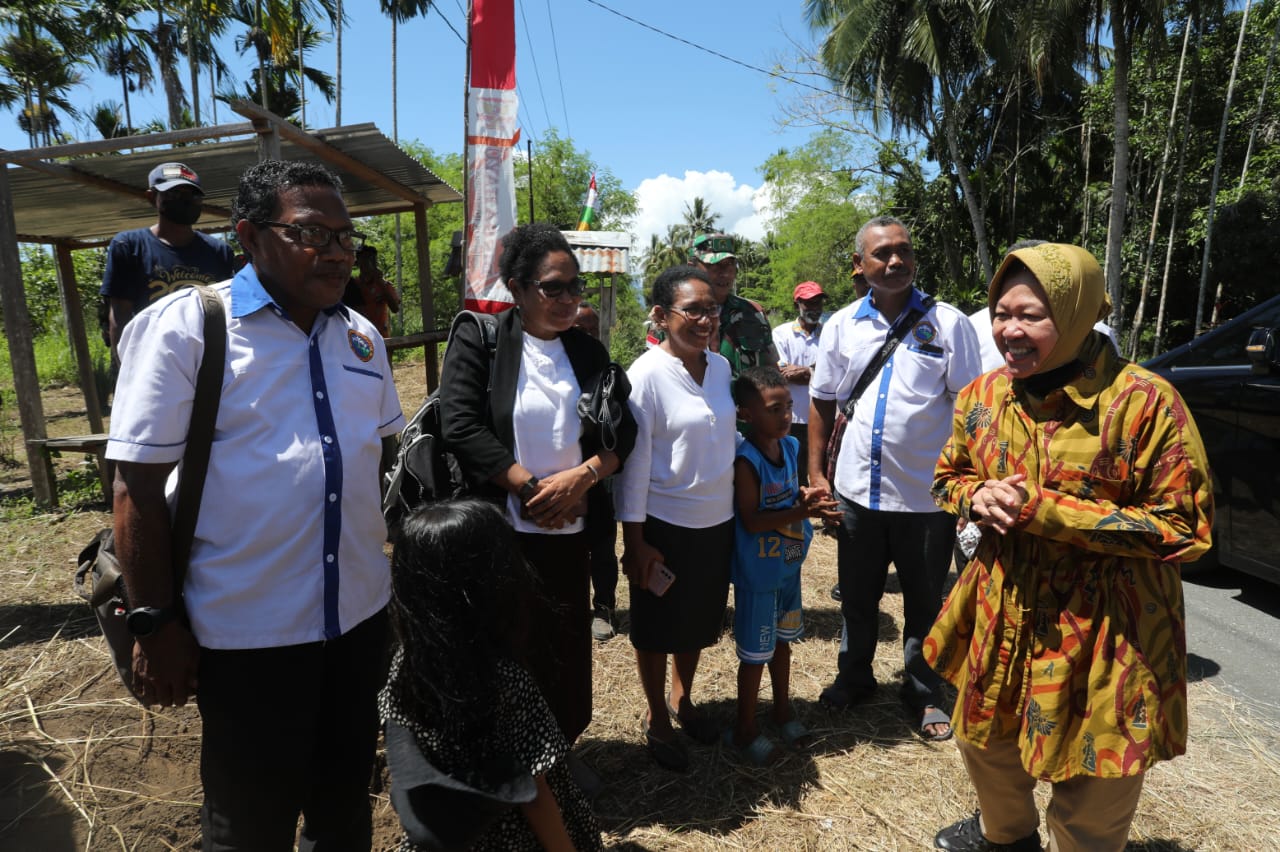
[(743, 209)]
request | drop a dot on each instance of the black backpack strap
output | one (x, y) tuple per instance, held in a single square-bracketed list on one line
[(204, 416)]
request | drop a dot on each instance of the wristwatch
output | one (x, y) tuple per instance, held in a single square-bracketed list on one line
[(144, 621), (528, 489)]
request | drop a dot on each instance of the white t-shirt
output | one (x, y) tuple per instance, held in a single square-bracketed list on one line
[(681, 470), (799, 347), (546, 422)]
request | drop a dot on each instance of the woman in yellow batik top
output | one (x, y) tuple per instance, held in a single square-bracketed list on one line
[(1064, 634)]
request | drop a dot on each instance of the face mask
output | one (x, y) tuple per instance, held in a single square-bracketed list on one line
[(811, 317), (181, 210)]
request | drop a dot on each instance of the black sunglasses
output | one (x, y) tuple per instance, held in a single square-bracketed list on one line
[(318, 236), (575, 287)]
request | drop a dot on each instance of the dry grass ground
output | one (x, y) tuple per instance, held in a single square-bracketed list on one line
[(82, 768)]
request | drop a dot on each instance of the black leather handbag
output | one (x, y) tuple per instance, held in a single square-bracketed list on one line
[(603, 403)]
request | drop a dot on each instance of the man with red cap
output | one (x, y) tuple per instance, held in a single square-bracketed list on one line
[(797, 344), (146, 264)]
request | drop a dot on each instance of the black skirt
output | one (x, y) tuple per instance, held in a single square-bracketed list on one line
[(690, 616)]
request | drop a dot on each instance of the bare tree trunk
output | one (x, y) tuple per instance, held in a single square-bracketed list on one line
[(1158, 343), (302, 78), (166, 51), (124, 84), (1262, 99), (337, 116), (1136, 330), (1213, 184), (1119, 166), (977, 215)]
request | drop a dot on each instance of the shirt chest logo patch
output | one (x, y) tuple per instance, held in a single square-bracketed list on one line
[(924, 332), (361, 345)]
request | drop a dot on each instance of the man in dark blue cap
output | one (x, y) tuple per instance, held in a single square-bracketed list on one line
[(147, 263)]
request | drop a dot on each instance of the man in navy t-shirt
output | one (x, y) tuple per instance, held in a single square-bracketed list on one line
[(146, 264)]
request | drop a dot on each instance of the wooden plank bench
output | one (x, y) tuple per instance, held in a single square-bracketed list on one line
[(88, 444)]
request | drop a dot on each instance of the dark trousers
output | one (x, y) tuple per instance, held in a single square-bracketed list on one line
[(602, 538), (558, 643), (291, 731), (919, 546), (800, 431)]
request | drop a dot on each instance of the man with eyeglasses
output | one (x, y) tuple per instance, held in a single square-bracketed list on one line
[(146, 264), (746, 339), (280, 630)]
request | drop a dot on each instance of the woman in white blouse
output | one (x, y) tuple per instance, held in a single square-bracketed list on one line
[(675, 501), (509, 415)]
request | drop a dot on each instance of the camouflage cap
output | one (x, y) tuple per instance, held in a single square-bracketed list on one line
[(711, 248)]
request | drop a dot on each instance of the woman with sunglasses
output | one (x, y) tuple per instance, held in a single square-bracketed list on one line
[(510, 418), (675, 502)]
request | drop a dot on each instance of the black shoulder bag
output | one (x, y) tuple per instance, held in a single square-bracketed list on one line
[(845, 413), (98, 578)]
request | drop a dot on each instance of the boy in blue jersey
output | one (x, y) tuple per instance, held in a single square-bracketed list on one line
[(772, 535)]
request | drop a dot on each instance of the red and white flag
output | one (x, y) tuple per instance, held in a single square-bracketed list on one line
[(492, 135)]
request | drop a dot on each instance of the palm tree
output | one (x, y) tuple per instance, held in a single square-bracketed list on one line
[(43, 74), (399, 11), (119, 47), (284, 98), (913, 61), (38, 60), (105, 117), (203, 23), (698, 218)]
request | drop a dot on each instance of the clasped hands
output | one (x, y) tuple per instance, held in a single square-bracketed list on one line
[(560, 498), (998, 502)]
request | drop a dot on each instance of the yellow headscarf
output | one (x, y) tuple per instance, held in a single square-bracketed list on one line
[(1076, 289)]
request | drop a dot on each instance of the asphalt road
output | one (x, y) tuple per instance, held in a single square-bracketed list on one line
[(1233, 636)]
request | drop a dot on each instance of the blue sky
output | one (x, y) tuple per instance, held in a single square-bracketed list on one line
[(670, 120)]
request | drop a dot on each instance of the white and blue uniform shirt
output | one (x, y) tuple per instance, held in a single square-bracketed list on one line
[(762, 561), (904, 416), (288, 543)]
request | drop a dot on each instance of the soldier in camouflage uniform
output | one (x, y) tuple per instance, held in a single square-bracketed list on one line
[(746, 338)]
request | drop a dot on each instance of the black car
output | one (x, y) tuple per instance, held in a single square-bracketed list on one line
[(1230, 378)]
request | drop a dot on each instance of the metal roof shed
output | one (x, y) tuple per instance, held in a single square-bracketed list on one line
[(72, 196)]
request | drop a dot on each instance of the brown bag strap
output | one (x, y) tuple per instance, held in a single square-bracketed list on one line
[(204, 416)]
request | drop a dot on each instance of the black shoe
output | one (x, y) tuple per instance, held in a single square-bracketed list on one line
[(835, 593), (966, 836), (840, 697)]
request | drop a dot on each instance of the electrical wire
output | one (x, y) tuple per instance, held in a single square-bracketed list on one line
[(555, 49), (448, 23), (715, 53), (537, 76)]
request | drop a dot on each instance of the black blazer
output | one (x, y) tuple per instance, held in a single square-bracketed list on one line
[(476, 414)]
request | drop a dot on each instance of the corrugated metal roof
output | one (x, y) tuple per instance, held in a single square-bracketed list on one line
[(50, 209), (601, 251)]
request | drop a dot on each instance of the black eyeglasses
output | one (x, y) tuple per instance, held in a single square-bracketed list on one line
[(555, 289), (318, 236), (693, 313)]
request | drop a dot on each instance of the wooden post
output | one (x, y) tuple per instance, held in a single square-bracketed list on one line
[(17, 326), (73, 310), (608, 308), (268, 140), (426, 292)]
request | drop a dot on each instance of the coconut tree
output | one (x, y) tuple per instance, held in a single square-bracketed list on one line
[(37, 62), (282, 94), (913, 61), (120, 47), (399, 11), (698, 218)]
